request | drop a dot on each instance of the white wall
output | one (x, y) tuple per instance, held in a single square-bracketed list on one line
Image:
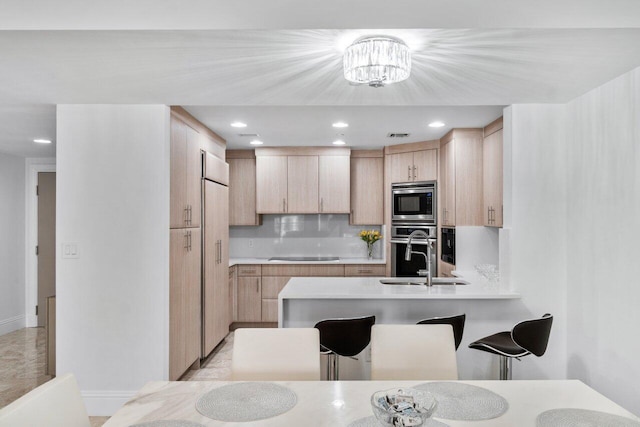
[(603, 229), (12, 212), (533, 242), (113, 201)]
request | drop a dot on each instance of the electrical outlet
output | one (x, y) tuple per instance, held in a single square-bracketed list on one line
[(70, 251), (250, 243)]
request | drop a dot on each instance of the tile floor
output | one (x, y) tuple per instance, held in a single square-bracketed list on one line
[(22, 365)]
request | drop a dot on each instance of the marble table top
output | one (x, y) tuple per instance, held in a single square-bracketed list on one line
[(338, 403)]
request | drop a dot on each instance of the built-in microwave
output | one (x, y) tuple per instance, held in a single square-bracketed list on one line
[(414, 201)]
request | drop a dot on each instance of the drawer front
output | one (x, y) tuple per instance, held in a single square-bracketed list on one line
[(269, 310), (365, 270), (249, 270), (302, 270), (272, 285)]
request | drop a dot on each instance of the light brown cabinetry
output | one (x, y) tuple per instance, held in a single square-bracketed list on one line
[(492, 174), (185, 175), (258, 286), (358, 270), (461, 178), (367, 189), (334, 184), (445, 269), (302, 180), (414, 166), (302, 184), (233, 312), (215, 299), (242, 189), (184, 294), (249, 300)]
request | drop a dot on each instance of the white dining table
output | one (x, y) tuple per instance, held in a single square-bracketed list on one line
[(338, 403)]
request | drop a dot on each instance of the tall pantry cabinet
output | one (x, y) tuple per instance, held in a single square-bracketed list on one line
[(189, 246)]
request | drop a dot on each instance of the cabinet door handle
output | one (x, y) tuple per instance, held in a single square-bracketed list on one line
[(415, 168), (185, 215), (364, 271), (189, 241), (186, 240), (257, 285), (409, 173), (284, 205), (321, 204)]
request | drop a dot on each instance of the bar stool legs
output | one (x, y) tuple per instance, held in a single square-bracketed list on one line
[(505, 367), (333, 367)]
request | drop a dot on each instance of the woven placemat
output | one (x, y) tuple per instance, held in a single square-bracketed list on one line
[(459, 401), (571, 417), (246, 402), (373, 422), (168, 423)]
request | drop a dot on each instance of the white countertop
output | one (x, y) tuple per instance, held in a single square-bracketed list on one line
[(238, 261), (371, 288)]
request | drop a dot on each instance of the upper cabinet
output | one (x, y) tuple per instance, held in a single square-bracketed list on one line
[(271, 184), (334, 186), (367, 187), (461, 178), (189, 139), (302, 180), (242, 188), (414, 166), (492, 174), (185, 170), (302, 184)]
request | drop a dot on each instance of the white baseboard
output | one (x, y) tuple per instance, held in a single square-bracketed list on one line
[(12, 324), (104, 403)]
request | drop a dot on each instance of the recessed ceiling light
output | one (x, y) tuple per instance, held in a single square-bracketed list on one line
[(256, 142), (339, 142), (436, 124), (42, 141), (340, 125), (238, 125)]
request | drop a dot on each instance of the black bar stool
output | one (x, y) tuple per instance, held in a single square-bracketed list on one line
[(343, 337), (456, 322), (527, 337)]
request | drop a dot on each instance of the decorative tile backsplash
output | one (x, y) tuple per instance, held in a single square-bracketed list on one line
[(301, 235)]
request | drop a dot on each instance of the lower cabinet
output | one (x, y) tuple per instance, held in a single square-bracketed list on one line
[(249, 299), (258, 286), (185, 300)]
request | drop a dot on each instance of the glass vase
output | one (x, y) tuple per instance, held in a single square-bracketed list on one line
[(370, 251)]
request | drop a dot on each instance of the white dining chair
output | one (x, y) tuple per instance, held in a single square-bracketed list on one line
[(413, 352), (276, 354), (56, 403)]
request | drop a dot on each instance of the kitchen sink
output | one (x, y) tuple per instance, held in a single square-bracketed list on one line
[(421, 281)]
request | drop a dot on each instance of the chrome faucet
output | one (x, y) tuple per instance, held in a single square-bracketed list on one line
[(407, 255)]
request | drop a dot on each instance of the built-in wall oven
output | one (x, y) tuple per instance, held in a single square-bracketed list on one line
[(414, 201), (399, 239), (448, 251)]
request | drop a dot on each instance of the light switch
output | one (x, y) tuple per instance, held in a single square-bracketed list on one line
[(70, 251)]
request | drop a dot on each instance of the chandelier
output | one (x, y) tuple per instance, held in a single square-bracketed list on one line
[(377, 61)]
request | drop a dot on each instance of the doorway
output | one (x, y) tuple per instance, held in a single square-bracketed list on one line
[(46, 246)]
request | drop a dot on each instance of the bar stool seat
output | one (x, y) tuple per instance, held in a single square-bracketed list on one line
[(343, 337), (527, 337)]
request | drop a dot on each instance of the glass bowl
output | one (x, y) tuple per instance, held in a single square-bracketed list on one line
[(403, 406)]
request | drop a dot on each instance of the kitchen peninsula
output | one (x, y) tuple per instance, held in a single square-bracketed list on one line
[(306, 300)]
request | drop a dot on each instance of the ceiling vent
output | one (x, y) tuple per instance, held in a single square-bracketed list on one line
[(248, 135), (397, 135)]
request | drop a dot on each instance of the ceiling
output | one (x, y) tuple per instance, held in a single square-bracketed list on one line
[(326, 14), (254, 70), (312, 126)]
